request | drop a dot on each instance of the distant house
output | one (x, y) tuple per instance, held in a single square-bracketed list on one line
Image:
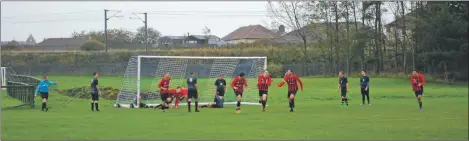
[(189, 41), (201, 40), (61, 44), (30, 42), (167, 41), (250, 34)]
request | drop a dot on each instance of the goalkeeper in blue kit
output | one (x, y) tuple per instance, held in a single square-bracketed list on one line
[(43, 89)]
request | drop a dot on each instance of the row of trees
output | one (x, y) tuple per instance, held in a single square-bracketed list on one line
[(350, 35), (121, 35)]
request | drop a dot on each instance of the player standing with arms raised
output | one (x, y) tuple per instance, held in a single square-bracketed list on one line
[(220, 87), (238, 83), (365, 87), (43, 89), (417, 80), (263, 83), (95, 92), (192, 92), (164, 91), (343, 88), (292, 80)]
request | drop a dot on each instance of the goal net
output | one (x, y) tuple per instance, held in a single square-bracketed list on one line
[(143, 74)]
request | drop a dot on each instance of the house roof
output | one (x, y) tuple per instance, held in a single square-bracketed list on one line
[(65, 42), (174, 37), (251, 32), (202, 37)]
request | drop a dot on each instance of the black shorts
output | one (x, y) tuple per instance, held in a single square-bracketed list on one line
[(94, 96), (343, 92), (261, 92), (221, 92), (192, 93), (164, 96), (419, 92), (291, 92), (238, 93), (44, 95), (365, 92)]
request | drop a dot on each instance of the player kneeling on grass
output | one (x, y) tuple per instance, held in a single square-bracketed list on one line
[(220, 86), (95, 92), (263, 83), (217, 103), (43, 89), (178, 94), (292, 80), (237, 85)]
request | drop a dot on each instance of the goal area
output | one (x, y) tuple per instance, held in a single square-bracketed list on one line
[(143, 74)]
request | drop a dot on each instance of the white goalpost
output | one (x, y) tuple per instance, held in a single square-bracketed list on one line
[(144, 72)]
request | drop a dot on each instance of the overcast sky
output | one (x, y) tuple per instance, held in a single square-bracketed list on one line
[(54, 19)]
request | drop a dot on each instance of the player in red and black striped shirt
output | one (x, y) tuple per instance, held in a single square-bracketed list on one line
[(263, 83), (164, 90), (238, 83), (292, 81)]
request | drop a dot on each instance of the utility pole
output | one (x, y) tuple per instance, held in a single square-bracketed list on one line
[(146, 32), (105, 26), (146, 27), (105, 30)]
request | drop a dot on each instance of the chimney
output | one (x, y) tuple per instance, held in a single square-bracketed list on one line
[(281, 29)]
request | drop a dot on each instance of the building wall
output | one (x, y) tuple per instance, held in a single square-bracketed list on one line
[(241, 41)]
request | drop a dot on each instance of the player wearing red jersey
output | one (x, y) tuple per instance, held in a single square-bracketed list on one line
[(292, 80), (238, 83), (263, 83), (417, 80), (164, 91), (181, 94)]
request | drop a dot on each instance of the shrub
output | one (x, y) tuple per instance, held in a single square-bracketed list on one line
[(92, 45)]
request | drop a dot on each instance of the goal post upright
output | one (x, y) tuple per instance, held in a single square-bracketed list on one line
[(138, 78)]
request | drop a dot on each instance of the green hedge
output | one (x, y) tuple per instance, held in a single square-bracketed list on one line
[(276, 56)]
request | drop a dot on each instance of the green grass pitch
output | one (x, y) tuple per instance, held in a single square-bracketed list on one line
[(393, 115)]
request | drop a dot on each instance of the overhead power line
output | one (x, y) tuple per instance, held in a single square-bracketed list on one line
[(54, 20), (49, 14)]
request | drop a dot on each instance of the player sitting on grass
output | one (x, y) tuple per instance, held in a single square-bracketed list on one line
[(138, 101), (417, 80), (292, 80), (263, 83), (237, 85), (217, 103), (43, 89), (164, 93)]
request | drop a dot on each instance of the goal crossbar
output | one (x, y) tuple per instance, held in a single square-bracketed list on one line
[(199, 57)]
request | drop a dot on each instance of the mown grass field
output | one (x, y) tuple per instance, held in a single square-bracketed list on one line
[(393, 115)]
